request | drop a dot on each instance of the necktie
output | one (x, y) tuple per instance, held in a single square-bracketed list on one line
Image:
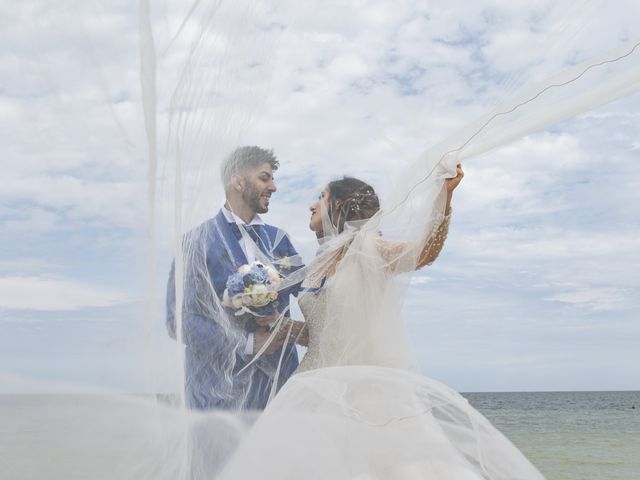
[(254, 233), (236, 230)]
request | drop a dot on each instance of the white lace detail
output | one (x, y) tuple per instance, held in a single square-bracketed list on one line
[(313, 306)]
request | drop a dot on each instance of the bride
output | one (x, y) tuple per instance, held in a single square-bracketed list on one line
[(341, 206), (356, 408)]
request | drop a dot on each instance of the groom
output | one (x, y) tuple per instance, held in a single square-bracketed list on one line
[(217, 346)]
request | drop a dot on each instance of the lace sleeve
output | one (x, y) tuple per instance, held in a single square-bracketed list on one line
[(435, 242), (401, 256)]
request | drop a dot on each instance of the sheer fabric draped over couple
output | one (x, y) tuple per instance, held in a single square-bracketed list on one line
[(231, 364), (355, 400)]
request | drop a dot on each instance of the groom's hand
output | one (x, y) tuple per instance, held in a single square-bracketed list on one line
[(267, 321), (262, 337)]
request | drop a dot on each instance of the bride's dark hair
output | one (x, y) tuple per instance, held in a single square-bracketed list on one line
[(351, 199)]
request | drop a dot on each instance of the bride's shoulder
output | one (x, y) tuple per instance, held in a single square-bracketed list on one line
[(387, 246), (397, 255)]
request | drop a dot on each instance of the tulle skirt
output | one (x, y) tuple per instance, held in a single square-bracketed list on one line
[(366, 422)]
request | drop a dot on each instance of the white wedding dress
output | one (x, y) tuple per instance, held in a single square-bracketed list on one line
[(313, 309), (363, 422)]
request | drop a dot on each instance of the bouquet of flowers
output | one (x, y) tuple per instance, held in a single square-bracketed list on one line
[(253, 290)]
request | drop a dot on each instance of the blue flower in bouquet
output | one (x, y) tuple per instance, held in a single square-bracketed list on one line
[(235, 284), (258, 274)]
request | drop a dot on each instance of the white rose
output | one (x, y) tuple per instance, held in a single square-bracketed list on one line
[(244, 269), (226, 301), (260, 295), (274, 276), (259, 288), (237, 302)]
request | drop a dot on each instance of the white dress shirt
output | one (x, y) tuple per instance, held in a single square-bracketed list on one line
[(249, 251)]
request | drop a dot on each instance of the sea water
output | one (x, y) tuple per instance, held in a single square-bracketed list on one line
[(570, 435)]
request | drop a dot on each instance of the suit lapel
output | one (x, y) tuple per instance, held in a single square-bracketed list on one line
[(263, 241), (229, 241)]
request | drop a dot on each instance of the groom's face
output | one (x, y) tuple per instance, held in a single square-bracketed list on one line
[(259, 184)]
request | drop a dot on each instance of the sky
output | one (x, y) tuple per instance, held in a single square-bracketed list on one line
[(536, 289)]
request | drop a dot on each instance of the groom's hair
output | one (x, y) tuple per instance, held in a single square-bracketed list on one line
[(243, 159)]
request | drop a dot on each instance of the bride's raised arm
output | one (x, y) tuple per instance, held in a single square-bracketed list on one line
[(401, 256), (436, 238)]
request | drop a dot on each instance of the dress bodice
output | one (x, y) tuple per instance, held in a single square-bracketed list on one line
[(313, 306)]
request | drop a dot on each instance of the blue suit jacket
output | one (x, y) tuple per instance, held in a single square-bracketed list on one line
[(214, 356)]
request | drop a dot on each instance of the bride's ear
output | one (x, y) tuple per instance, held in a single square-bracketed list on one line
[(336, 213), (335, 208)]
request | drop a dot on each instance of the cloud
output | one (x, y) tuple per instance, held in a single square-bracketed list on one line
[(81, 200), (541, 226), (420, 280), (30, 220), (597, 299), (23, 266), (52, 294)]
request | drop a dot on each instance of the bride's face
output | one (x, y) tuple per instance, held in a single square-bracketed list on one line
[(315, 224)]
